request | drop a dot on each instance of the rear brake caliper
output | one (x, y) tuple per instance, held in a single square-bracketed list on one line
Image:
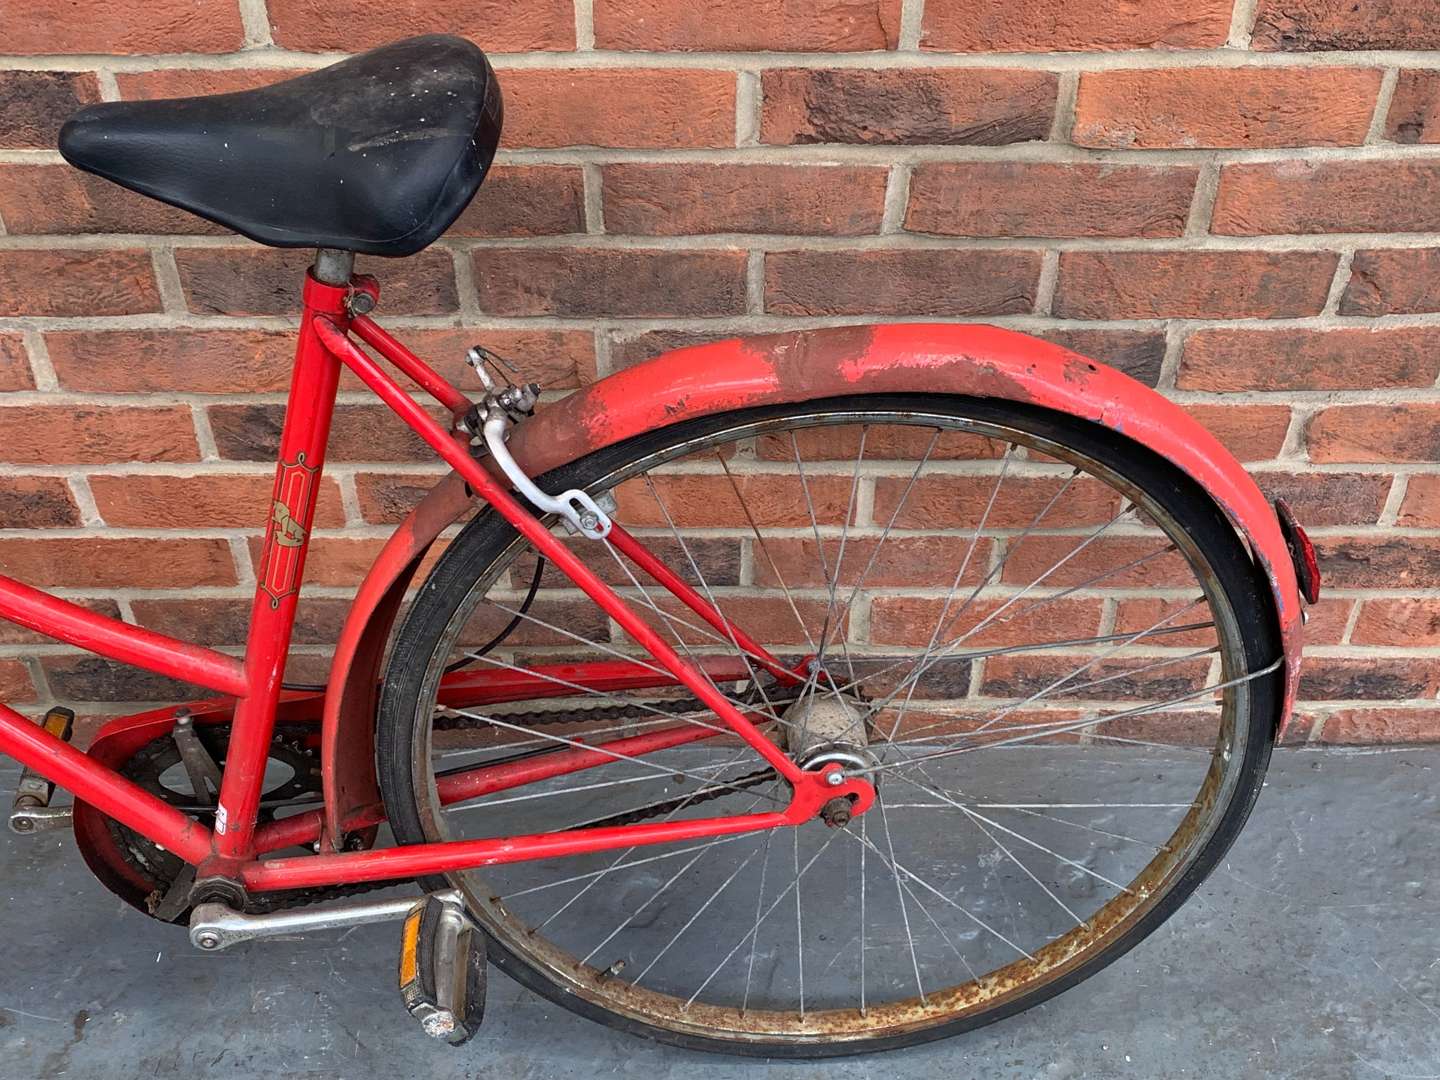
[(492, 419)]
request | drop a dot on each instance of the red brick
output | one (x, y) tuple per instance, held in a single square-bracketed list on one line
[(1151, 621), (1129, 679), (1406, 621), (1421, 508), (33, 105), (1102, 563), (1378, 562), (948, 283), (386, 498), (1305, 25), (1011, 198), (1349, 359), (1414, 115), (104, 563), (648, 109), (96, 435), (950, 106), (172, 361), (758, 26), (1328, 620), (769, 619), (1225, 107), (1062, 26), (167, 26), (343, 561), (929, 561), (959, 502), (93, 678), (495, 25), (267, 281), (916, 721), (1347, 678), (628, 348), (1328, 498), (526, 200), (717, 557), (1250, 432), (1366, 433), (676, 200), (221, 621), (358, 433), (200, 502), (883, 442), (773, 500), (614, 283), (556, 359), (1328, 196), (193, 82), (911, 620), (15, 684), (15, 371), (1395, 282), (1192, 284), (36, 502), (1364, 727), (60, 283), (1138, 353), (14, 634), (59, 199)]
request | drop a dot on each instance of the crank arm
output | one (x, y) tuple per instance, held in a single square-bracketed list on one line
[(215, 926)]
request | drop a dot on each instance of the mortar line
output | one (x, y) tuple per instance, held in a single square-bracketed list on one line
[(1062, 128), (584, 26), (593, 185), (897, 198), (90, 516), (1339, 283), (1202, 203), (749, 108), (255, 20), (1383, 100), (912, 25), (109, 88), (1048, 282)]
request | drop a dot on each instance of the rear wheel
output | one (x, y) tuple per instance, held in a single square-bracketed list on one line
[(1045, 646)]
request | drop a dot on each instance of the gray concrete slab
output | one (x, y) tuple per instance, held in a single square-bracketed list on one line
[(1312, 953)]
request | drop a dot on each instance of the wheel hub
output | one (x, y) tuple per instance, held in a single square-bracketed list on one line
[(825, 728)]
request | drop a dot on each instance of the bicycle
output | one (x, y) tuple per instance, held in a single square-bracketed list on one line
[(860, 555)]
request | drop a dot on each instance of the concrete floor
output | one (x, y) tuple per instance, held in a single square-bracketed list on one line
[(1313, 952)]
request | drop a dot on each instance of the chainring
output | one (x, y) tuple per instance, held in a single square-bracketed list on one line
[(157, 768)]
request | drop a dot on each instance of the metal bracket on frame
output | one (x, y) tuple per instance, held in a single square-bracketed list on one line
[(582, 514), (579, 511)]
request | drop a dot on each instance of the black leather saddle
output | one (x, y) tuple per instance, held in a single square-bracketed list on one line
[(376, 154)]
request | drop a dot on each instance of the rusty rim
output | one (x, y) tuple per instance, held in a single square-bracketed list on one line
[(988, 990)]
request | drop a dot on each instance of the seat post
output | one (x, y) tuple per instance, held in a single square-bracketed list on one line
[(333, 266)]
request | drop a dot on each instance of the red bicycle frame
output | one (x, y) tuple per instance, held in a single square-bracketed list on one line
[(234, 847)]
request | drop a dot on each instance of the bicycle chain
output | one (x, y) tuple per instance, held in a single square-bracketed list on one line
[(134, 849)]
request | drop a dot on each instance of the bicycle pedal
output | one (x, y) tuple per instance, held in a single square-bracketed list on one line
[(31, 811), (442, 969)]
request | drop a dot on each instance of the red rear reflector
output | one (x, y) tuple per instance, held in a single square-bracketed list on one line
[(1302, 552)]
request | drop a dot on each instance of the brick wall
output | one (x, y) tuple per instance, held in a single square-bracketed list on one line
[(1237, 201)]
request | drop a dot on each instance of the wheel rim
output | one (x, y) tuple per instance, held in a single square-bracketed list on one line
[(578, 942)]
